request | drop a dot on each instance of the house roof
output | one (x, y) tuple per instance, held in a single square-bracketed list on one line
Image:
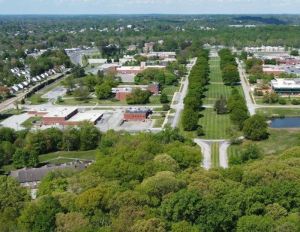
[(36, 174)]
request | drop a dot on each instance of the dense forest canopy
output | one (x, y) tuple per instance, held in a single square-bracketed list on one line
[(158, 186)]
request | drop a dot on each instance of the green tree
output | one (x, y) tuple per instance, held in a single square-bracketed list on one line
[(81, 93), (255, 128), (89, 136), (40, 216), (24, 158), (150, 225), (164, 98), (185, 205), (221, 105), (7, 150), (190, 119), (12, 200), (71, 139), (294, 53), (184, 226), (138, 96), (71, 222), (103, 91), (161, 184), (255, 223)]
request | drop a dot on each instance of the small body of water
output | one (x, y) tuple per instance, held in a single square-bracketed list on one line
[(290, 122)]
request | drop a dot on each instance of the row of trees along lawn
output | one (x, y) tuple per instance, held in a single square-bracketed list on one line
[(229, 68), (22, 148), (254, 127), (158, 186), (198, 78)]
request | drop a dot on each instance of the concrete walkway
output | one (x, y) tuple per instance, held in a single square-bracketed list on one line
[(223, 148), (246, 88), (206, 152)]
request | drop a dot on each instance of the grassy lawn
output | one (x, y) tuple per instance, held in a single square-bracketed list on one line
[(154, 100), (259, 100), (216, 88), (233, 150), (62, 156), (58, 158), (278, 141), (30, 121), (170, 90), (215, 155), (90, 102), (214, 125), (37, 99), (158, 121), (287, 112)]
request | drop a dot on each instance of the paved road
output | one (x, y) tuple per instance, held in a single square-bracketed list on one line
[(246, 88), (9, 103), (206, 152), (223, 154), (180, 105)]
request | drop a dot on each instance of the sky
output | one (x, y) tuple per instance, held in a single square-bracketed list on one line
[(149, 6)]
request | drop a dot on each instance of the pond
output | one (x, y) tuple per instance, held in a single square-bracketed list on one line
[(289, 122)]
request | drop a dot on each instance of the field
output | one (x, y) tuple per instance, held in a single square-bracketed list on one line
[(216, 88), (170, 90), (287, 112), (159, 120), (259, 100), (278, 141), (29, 122), (37, 99), (215, 126), (215, 159), (67, 156)]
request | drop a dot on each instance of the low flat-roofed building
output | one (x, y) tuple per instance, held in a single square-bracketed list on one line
[(92, 116), (136, 114), (121, 93), (273, 69), (129, 70), (59, 115), (288, 86), (97, 61), (31, 177), (160, 55)]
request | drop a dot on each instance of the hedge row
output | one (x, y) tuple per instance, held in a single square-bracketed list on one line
[(229, 68), (198, 78), (237, 108)]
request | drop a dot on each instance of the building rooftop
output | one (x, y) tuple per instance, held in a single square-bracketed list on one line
[(286, 83), (26, 175), (137, 110), (60, 111), (91, 116)]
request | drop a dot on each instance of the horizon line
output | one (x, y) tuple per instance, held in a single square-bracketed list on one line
[(143, 14)]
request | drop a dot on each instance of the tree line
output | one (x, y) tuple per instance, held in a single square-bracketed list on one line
[(229, 68), (22, 148), (158, 186), (198, 79)]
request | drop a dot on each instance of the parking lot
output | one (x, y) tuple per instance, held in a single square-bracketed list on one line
[(15, 121), (55, 93)]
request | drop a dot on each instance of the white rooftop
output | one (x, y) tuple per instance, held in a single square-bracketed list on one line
[(281, 83), (60, 111), (90, 116)]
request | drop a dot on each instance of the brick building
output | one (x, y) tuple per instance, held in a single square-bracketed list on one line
[(59, 116), (136, 114)]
